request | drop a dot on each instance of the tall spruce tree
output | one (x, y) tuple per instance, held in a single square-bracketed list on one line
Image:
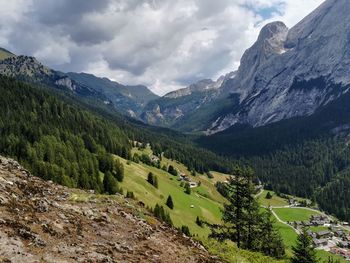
[(304, 252), (118, 170), (150, 178), (270, 240), (169, 202), (243, 222), (241, 213), (110, 184)]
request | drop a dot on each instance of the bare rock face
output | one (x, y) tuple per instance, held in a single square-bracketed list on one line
[(66, 82), (170, 109), (289, 73), (42, 222)]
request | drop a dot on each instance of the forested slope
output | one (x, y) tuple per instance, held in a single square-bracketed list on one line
[(71, 142), (305, 156)]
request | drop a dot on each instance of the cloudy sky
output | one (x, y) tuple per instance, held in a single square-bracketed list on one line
[(164, 44)]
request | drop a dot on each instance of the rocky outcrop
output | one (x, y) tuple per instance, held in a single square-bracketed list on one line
[(44, 222), (66, 82), (24, 66)]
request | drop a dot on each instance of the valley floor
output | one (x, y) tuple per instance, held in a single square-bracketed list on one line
[(291, 218)]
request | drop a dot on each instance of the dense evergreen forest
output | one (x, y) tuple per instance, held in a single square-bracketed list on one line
[(305, 156), (56, 140), (315, 169), (72, 142)]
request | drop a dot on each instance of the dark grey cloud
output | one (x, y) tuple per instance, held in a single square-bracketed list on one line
[(164, 44), (57, 12)]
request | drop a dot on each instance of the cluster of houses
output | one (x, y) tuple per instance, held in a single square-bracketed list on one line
[(183, 177), (332, 239), (341, 252), (315, 220)]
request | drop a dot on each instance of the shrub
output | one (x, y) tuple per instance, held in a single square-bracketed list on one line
[(268, 195), (185, 230)]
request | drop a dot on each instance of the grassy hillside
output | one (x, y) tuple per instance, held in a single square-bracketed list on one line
[(294, 214), (204, 201), (274, 201)]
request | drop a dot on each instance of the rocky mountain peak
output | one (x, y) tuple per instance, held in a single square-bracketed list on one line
[(289, 73), (270, 41), (271, 30)]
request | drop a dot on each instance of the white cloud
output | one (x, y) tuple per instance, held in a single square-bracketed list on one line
[(164, 44)]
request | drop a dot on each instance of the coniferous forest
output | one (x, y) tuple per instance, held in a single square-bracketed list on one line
[(56, 140), (305, 156), (71, 143)]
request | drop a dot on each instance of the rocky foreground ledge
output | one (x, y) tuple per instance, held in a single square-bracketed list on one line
[(44, 222)]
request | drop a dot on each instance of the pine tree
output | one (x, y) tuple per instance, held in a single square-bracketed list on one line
[(270, 239), (268, 195), (155, 181), (118, 170), (185, 230), (251, 206), (304, 252), (130, 195), (156, 211), (110, 183), (187, 188), (169, 202), (199, 222), (150, 178), (172, 170), (241, 213)]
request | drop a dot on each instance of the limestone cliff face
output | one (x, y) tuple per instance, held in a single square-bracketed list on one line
[(286, 73), (289, 73)]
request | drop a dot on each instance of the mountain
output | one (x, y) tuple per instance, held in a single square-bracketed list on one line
[(129, 100), (286, 73), (292, 119), (292, 72), (191, 108)]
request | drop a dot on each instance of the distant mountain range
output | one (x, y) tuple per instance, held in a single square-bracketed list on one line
[(129, 100), (285, 74)]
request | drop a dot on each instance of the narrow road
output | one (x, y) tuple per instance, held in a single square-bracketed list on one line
[(283, 222), (258, 194)]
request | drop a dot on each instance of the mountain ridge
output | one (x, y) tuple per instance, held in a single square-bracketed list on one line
[(129, 100)]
